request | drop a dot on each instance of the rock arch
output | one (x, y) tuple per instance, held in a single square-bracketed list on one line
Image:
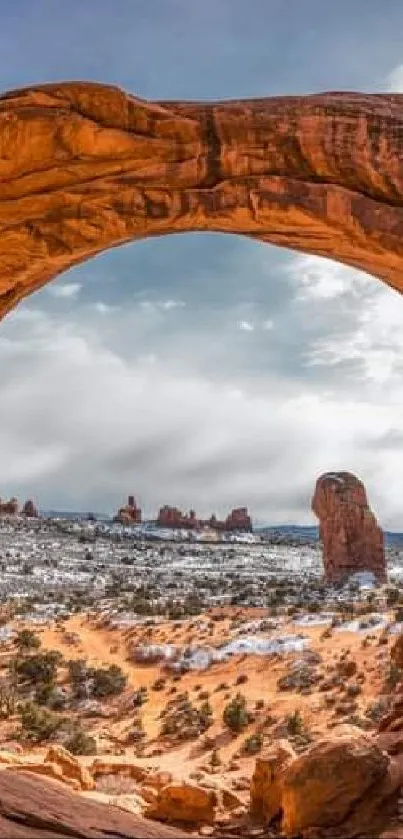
[(85, 167)]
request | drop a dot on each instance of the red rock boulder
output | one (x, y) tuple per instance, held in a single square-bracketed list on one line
[(345, 787), (351, 537)]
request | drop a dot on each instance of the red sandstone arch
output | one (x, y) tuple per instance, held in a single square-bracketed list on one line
[(85, 167)]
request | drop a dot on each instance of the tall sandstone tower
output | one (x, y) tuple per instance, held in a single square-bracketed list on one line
[(351, 537)]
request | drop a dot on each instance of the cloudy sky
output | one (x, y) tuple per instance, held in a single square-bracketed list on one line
[(204, 370)]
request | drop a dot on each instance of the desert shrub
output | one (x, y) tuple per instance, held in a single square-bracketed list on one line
[(294, 723), (184, 721), (26, 641), (140, 696), (205, 714), (235, 714), (40, 668), (259, 704), (78, 677), (136, 736), (393, 676), (399, 615), (353, 690), (8, 698), (80, 743), (253, 744), (392, 596), (44, 692), (242, 679), (215, 759), (108, 681), (377, 710), (38, 724), (159, 684)]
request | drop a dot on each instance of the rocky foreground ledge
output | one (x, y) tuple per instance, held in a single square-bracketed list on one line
[(32, 807)]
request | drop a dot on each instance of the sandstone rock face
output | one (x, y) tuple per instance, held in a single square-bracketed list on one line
[(71, 768), (393, 719), (351, 538), (266, 785), (115, 766), (396, 652), (32, 808), (345, 787), (49, 770), (184, 802), (85, 167)]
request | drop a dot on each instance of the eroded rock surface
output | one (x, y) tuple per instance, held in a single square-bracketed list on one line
[(32, 808), (85, 167), (266, 785), (346, 787), (351, 537)]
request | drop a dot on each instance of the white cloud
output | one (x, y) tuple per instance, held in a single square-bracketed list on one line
[(246, 326), (82, 424), (65, 291), (394, 81), (103, 308), (172, 304)]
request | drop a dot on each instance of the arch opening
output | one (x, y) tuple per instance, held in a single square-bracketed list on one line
[(85, 167)]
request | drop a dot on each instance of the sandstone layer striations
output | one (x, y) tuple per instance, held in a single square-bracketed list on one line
[(85, 167), (35, 808), (351, 538)]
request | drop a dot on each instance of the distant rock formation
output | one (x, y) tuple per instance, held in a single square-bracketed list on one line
[(9, 508), (351, 538), (237, 520), (29, 510), (130, 513)]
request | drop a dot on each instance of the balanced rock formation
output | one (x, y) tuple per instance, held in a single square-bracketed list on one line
[(351, 538), (85, 167)]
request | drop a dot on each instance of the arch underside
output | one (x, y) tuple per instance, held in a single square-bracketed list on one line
[(85, 167)]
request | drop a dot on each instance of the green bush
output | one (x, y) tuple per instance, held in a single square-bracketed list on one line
[(235, 715), (78, 676), (253, 744), (295, 724), (26, 641), (109, 681), (38, 724), (80, 743), (215, 759), (394, 676), (40, 668)]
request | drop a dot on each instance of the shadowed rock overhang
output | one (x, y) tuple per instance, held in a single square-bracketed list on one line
[(85, 167)]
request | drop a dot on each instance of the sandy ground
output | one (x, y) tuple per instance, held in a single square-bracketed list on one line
[(103, 646)]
